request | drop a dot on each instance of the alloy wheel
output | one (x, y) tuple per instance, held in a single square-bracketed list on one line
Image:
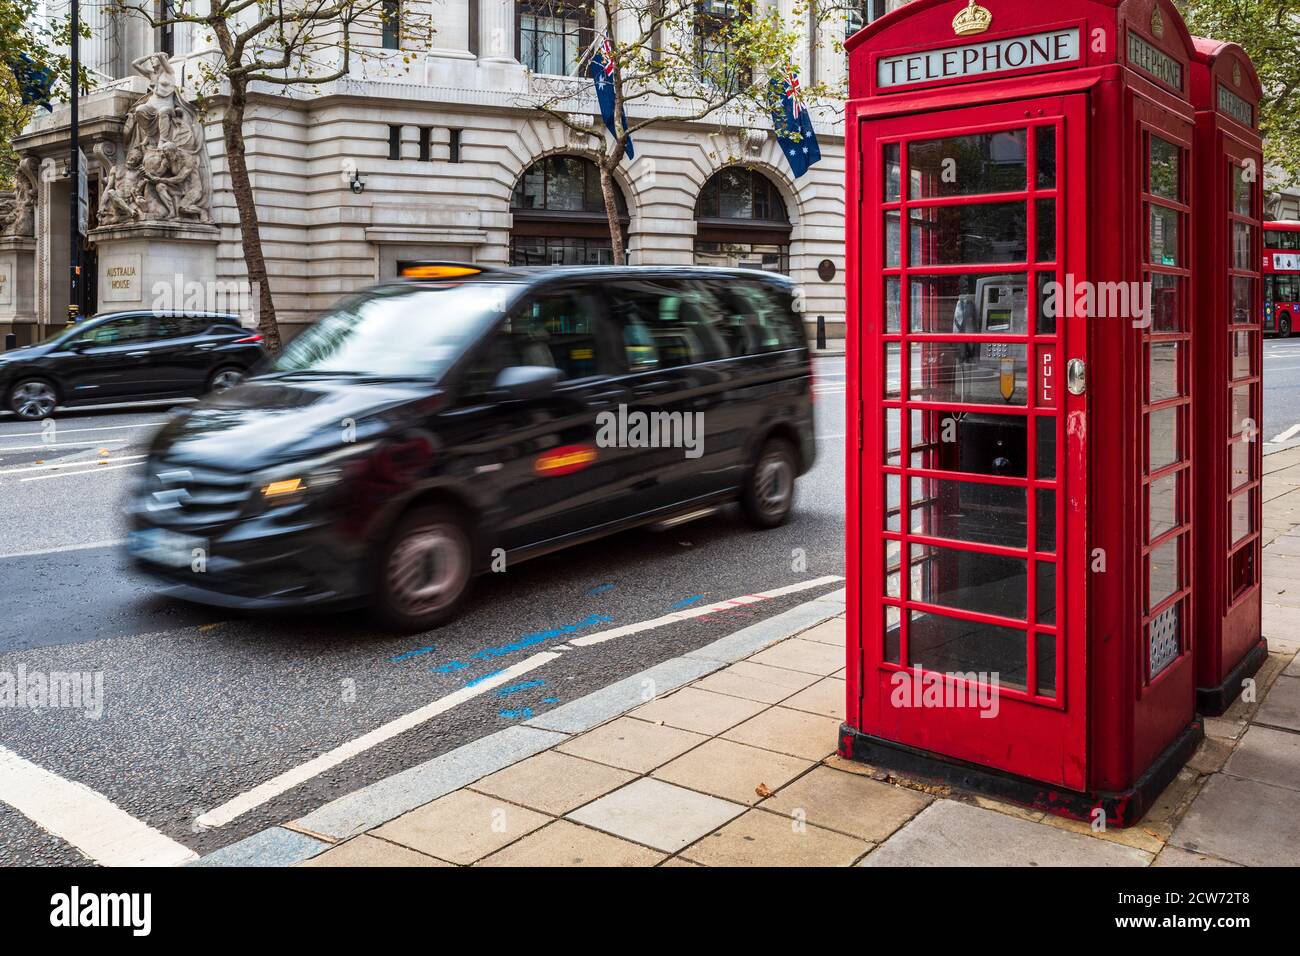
[(33, 400), (427, 569)]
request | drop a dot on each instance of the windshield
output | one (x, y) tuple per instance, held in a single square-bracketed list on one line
[(414, 332)]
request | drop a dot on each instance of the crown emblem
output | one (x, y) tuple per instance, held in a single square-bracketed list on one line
[(1157, 24), (1236, 73), (972, 19)]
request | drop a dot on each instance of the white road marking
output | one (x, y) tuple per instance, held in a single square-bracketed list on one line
[(55, 446), (1285, 436), (64, 463), (84, 818), (92, 546), (332, 758), (265, 792), (70, 431), (89, 471)]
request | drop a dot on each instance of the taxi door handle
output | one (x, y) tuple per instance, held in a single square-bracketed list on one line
[(654, 388), (141, 354), (604, 398)]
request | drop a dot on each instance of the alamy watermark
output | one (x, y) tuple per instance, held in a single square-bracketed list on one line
[(626, 428), (53, 690), (957, 689)]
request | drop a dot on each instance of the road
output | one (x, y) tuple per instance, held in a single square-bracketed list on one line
[(1280, 427), (201, 706)]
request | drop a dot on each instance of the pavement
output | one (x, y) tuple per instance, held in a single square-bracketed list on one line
[(725, 756)]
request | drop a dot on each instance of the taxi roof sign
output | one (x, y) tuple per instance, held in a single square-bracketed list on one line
[(439, 270)]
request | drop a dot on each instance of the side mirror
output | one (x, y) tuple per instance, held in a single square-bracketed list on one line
[(526, 382)]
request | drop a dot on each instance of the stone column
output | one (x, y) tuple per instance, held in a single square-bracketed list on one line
[(145, 265), (496, 30), (18, 288)]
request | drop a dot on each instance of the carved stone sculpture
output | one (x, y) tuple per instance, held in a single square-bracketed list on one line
[(18, 211), (165, 176)]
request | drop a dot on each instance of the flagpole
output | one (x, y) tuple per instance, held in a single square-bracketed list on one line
[(74, 175)]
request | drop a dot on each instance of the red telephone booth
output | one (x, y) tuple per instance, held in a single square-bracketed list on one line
[(1019, 494), (1229, 351)]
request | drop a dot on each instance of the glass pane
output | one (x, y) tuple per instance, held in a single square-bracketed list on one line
[(893, 485), (892, 636), (1162, 572), (1162, 429), (1046, 664), (892, 241), (1162, 382), (1242, 420), (1162, 506), (1164, 236), (1242, 300), (947, 645), (1045, 453), (893, 304), (1045, 528), (968, 580), (893, 432), (1242, 187), (892, 172), (1048, 305), (976, 233), (974, 443), (1243, 463), (1045, 238), (968, 304), (967, 165), (1166, 303), (1045, 573), (893, 552), (1164, 169), (893, 370), (1045, 143), (1241, 236), (968, 511), (1243, 516), (1242, 354), (984, 373)]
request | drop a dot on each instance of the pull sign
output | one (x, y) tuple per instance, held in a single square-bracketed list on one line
[(1076, 377), (1048, 377)]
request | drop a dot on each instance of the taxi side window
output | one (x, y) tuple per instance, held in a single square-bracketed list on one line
[(665, 324), (123, 331), (551, 330)]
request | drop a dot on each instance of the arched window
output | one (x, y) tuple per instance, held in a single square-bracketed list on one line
[(559, 215), (741, 222)]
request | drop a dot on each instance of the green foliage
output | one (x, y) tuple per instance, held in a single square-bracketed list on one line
[(1268, 30)]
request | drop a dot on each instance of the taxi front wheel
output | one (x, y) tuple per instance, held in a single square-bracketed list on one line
[(425, 570), (768, 495)]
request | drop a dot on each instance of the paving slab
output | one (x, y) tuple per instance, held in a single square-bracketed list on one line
[(769, 631), (620, 697), (786, 731), (701, 711), (553, 782), (826, 697), (365, 850), (462, 827), (657, 814), (759, 838), (1243, 821), (1281, 706), (1177, 856), (562, 843), (768, 685), (1268, 756), (810, 657), (849, 803), (732, 771), (948, 833), (833, 632), (632, 744)]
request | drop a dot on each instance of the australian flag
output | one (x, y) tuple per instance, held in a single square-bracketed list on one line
[(602, 71), (34, 81), (793, 124)]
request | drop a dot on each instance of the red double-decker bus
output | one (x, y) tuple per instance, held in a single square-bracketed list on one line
[(1281, 277)]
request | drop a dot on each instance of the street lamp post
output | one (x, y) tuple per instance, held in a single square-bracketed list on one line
[(74, 175)]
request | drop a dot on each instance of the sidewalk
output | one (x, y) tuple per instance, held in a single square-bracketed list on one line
[(736, 767)]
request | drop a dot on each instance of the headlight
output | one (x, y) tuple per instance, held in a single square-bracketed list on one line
[(291, 482)]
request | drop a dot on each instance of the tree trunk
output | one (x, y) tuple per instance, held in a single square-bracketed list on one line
[(609, 193), (232, 127)]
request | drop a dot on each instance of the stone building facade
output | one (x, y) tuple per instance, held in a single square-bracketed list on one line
[(418, 154)]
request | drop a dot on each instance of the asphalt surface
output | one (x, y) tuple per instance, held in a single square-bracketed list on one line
[(1281, 419), (202, 705)]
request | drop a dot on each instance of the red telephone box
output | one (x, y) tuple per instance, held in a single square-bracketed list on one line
[(1019, 492), (1229, 159)]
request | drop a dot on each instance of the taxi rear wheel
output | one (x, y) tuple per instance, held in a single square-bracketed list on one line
[(768, 496), (425, 570)]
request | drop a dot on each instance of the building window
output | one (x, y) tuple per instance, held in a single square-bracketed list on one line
[(392, 23), (559, 215), (553, 34), (453, 146), (741, 222), (164, 10), (394, 142), (715, 49)]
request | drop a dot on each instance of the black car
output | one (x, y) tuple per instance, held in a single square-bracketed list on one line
[(436, 427), (128, 356)]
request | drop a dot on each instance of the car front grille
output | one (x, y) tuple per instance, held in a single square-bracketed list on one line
[(181, 496)]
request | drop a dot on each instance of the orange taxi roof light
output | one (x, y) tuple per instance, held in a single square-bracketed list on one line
[(438, 270)]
